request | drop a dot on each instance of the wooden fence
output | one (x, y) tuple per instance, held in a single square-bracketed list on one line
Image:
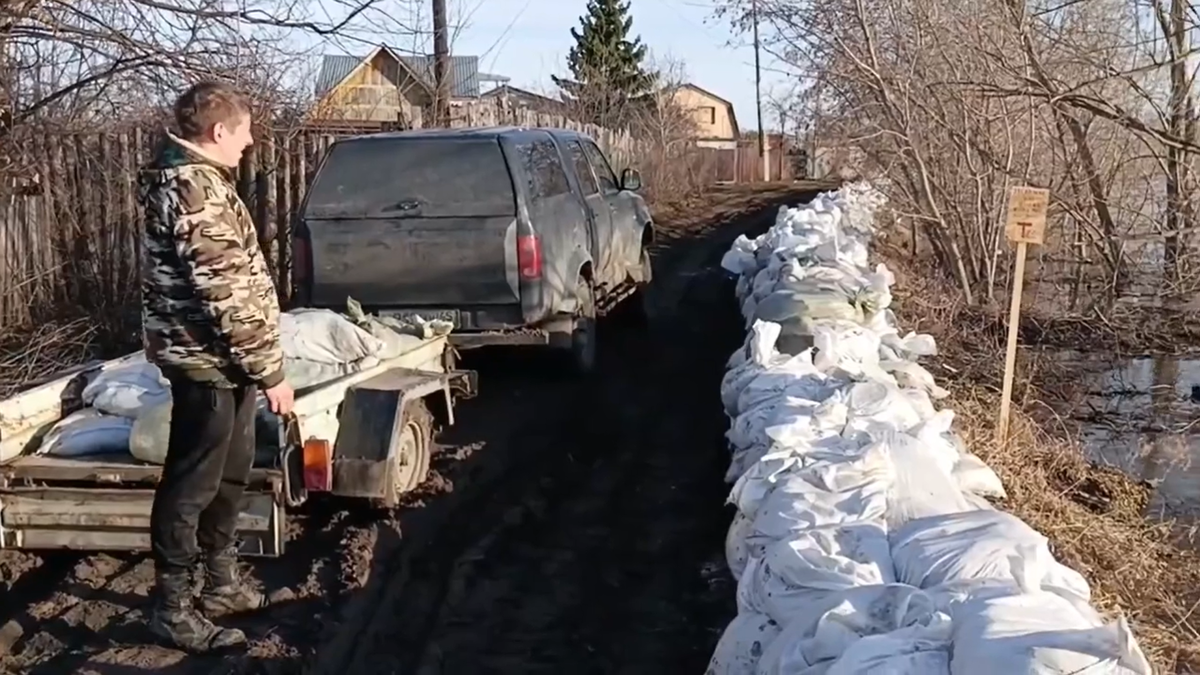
[(70, 232)]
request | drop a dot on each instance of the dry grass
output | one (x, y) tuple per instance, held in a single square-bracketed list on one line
[(1094, 517)]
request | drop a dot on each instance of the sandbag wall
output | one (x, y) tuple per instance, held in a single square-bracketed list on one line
[(862, 540)]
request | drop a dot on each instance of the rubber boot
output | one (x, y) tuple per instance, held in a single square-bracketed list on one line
[(224, 593), (176, 620)]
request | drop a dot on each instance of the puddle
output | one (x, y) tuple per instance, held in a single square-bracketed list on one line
[(1142, 415)]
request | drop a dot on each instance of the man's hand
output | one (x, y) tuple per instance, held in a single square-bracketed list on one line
[(280, 398)]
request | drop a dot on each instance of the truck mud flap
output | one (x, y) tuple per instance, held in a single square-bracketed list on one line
[(116, 520)]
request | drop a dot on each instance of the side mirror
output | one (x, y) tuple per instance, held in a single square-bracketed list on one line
[(631, 180)]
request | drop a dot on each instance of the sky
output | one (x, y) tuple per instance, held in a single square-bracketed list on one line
[(528, 41)]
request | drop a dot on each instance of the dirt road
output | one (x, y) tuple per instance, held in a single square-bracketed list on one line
[(568, 527)]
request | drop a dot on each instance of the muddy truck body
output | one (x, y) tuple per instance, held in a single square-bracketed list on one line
[(514, 235), (366, 435)]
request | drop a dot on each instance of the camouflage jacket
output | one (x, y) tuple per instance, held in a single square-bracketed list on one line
[(209, 309)]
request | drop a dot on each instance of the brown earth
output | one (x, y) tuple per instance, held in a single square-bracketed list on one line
[(568, 526)]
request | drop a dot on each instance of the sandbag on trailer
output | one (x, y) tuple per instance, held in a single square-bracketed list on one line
[(129, 406)]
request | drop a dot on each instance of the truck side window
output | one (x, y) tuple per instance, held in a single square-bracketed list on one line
[(587, 182), (608, 182), (542, 164)]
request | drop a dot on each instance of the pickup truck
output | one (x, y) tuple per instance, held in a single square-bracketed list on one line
[(514, 235), (366, 434)]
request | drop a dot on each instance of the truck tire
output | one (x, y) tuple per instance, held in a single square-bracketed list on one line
[(635, 310), (414, 449), (583, 329)]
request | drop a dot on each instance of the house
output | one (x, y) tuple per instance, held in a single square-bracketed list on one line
[(716, 123), (386, 86), (523, 98)]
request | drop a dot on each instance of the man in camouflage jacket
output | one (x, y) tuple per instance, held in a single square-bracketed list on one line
[(211, 323)]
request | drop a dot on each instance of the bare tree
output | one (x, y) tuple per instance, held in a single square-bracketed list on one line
[(94, 58), (951, 103)]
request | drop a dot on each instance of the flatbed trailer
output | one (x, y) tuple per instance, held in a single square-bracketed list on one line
[(367, 435)]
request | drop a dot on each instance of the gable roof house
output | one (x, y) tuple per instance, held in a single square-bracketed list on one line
[(386, 86), (715, 120)]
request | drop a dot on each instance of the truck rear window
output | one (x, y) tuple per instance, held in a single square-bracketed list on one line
[(421, 178)]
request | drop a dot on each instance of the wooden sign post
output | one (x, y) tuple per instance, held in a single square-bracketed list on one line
[(1025, 224)]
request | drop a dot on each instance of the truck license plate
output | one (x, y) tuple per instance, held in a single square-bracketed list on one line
[(450, 315)]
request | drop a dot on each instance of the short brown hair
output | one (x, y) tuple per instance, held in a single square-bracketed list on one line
[(208, 103)]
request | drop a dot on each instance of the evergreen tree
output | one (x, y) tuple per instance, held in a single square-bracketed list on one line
[(605, 64)]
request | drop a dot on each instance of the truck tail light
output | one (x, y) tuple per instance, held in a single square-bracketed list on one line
[(529, 257), (318, 465)]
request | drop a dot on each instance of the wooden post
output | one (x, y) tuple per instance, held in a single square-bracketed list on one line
[(264, 200), (1025, 225), (284, 210)]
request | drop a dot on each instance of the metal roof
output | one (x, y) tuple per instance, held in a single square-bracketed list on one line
[(464, 72)]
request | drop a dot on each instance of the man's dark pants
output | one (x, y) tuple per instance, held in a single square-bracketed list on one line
[(209, 457)]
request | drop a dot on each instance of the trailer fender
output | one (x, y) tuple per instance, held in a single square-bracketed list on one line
[(385, 431)]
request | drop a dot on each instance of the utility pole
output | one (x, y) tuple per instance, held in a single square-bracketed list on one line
[(441, 65), (762, 134)]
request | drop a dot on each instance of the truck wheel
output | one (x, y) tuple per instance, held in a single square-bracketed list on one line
[(647, 267), (583, 332), (635, 310), (410, 462)]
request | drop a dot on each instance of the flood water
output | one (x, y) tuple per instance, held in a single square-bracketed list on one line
[(1142, 415)]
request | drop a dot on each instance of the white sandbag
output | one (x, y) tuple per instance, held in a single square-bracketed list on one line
[(922, 485), (794, 574), (935, 438), (913, 375), (87, 432), (912, 650), (743, 459), (324, 336), (128, 389), (1040, 634), (929, 552), (757, 354), (753, 486), (879, 403), (829, 490), (740, 256), (150, 433), (303, 373), (796, 377), (828, 624), (742, 644), (398, 335), (786, 307), (749, 427), (737, 551), (974, 476), (849, 348)]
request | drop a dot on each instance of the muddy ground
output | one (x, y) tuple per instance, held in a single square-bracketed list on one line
[(569, 526)]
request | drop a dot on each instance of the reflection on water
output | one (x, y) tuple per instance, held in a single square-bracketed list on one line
[(1142, 415)]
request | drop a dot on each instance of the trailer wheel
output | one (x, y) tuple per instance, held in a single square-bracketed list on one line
[(414, 446)]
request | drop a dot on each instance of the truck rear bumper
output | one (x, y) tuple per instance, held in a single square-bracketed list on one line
[(521, 336)]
